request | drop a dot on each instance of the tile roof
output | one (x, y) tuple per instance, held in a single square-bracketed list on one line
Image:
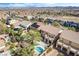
[(48, 28), (66, 34)]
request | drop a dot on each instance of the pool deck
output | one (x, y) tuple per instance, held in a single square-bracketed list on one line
[(53, 52), (50, 51)]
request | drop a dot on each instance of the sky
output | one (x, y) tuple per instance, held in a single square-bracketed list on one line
[(39, 1), (37, 4)]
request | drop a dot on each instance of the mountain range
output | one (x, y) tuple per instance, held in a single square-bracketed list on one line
[(10, 5)]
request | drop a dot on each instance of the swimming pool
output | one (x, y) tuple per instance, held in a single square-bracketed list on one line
[(39, 49)]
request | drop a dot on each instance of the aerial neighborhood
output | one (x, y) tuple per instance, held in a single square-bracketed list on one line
[(39, 32)]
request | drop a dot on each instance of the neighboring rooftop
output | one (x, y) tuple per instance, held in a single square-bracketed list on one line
[(71, 36), (48, 28), (66, 34), (25, 24)]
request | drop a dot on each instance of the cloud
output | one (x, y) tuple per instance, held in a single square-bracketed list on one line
[(39, 1), (17, 5), (26, 5), (37, 4)]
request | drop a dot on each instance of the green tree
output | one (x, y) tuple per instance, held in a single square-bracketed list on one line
[(72, 28), (26, 51), (3, 20), (36, 35), (25, 18), (40, 19), (2, 28), (26, 37), (56, 24)]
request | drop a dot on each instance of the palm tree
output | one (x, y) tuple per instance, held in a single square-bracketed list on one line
[(26, 37), (29, 38), (12, 34), (36, 36), (24, 51)]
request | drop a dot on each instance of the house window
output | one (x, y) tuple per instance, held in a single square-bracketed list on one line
[(58, 47), (1, 51), (71, 53), (64, 50), (49, 42)]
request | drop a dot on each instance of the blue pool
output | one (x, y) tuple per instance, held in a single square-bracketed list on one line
[(39, 49)]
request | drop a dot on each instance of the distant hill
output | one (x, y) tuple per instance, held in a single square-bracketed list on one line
[(23, 5)]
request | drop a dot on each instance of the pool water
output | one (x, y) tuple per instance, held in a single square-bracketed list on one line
[(39, 49)]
